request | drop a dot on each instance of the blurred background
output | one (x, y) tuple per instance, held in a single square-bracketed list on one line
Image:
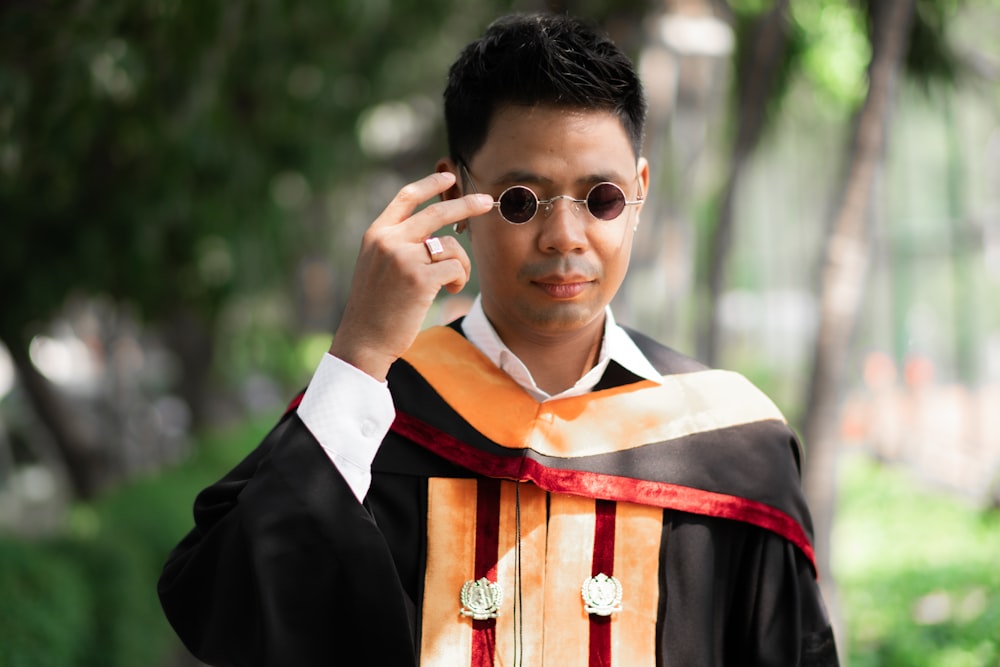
[(184, 185)]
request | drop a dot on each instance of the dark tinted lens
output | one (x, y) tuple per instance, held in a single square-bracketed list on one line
[(518, 204), (606, 201)]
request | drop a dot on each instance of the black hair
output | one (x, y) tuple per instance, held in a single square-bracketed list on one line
[(539, 60)]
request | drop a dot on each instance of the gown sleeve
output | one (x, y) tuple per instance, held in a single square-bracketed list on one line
[(756, 591), (285, 567)]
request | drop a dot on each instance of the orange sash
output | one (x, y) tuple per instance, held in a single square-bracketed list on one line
[(541, 620)]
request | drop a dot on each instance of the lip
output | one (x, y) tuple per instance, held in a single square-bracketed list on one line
[(562, 287)]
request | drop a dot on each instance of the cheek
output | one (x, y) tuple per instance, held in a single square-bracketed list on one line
[(486, 261), (496, 250), (615, 252)]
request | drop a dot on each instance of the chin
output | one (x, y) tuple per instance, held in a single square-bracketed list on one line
[(564, 317)]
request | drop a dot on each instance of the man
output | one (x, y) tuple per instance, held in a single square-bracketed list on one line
[(533, 484)]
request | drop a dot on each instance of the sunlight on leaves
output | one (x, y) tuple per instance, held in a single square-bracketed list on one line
[(837, 50)]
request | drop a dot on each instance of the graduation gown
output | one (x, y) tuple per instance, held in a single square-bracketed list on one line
[(643, 523)]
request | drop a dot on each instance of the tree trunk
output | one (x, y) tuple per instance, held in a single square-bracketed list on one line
[(85, 461), (190, 338), (758, 76), (844, 272)]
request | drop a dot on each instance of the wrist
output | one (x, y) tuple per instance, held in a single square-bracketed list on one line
[(375, 364)]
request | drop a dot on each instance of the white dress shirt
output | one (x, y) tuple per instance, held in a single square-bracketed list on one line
[(349, 412)]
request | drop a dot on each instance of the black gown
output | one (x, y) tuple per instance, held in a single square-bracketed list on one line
[(687, 491)]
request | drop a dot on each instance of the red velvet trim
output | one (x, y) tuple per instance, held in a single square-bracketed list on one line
[(603, 561), (611, 487), (484, 642), (604, 538), (487, 528), (487, 548)]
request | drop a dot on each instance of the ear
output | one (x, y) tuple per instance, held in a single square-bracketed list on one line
[(455, 191), (643, 171)]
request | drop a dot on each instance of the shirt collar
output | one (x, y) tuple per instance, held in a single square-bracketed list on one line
[(617, 345)]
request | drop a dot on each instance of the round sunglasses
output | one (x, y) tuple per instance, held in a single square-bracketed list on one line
[(518, 204)]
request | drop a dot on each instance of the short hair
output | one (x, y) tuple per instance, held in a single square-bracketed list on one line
[(539, 60)]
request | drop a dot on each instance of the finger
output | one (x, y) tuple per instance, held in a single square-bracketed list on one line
[(413, 195), (451, 274), (434, 247), (449, 245), (441, 214), (452, 251)]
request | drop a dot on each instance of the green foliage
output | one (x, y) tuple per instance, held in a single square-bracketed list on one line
[(260, 343), (837, 50), (750, 7), (45, 617), (929, 57), (917, 571), (125, 626), (781, 61), (88, 599), (172, 152)]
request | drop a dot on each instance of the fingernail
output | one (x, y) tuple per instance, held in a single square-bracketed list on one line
[(483, 200)]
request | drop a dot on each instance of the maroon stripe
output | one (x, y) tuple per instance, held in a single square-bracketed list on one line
[(487, 546), (487, 528), (604, 538), (598, 485), (603, 562)]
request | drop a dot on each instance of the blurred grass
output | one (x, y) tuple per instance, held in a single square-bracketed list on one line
[(87, 597), (918, 570)]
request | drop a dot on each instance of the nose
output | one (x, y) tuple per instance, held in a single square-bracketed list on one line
[(564, 226), (546, 205)]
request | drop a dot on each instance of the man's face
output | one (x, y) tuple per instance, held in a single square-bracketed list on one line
[(550, 278)]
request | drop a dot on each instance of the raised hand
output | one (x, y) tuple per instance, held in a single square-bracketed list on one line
[(397, 277)]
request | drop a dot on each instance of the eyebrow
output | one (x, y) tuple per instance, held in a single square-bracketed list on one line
[(519, 176)]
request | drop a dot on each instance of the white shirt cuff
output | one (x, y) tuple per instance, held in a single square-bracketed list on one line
[(349, 413)]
